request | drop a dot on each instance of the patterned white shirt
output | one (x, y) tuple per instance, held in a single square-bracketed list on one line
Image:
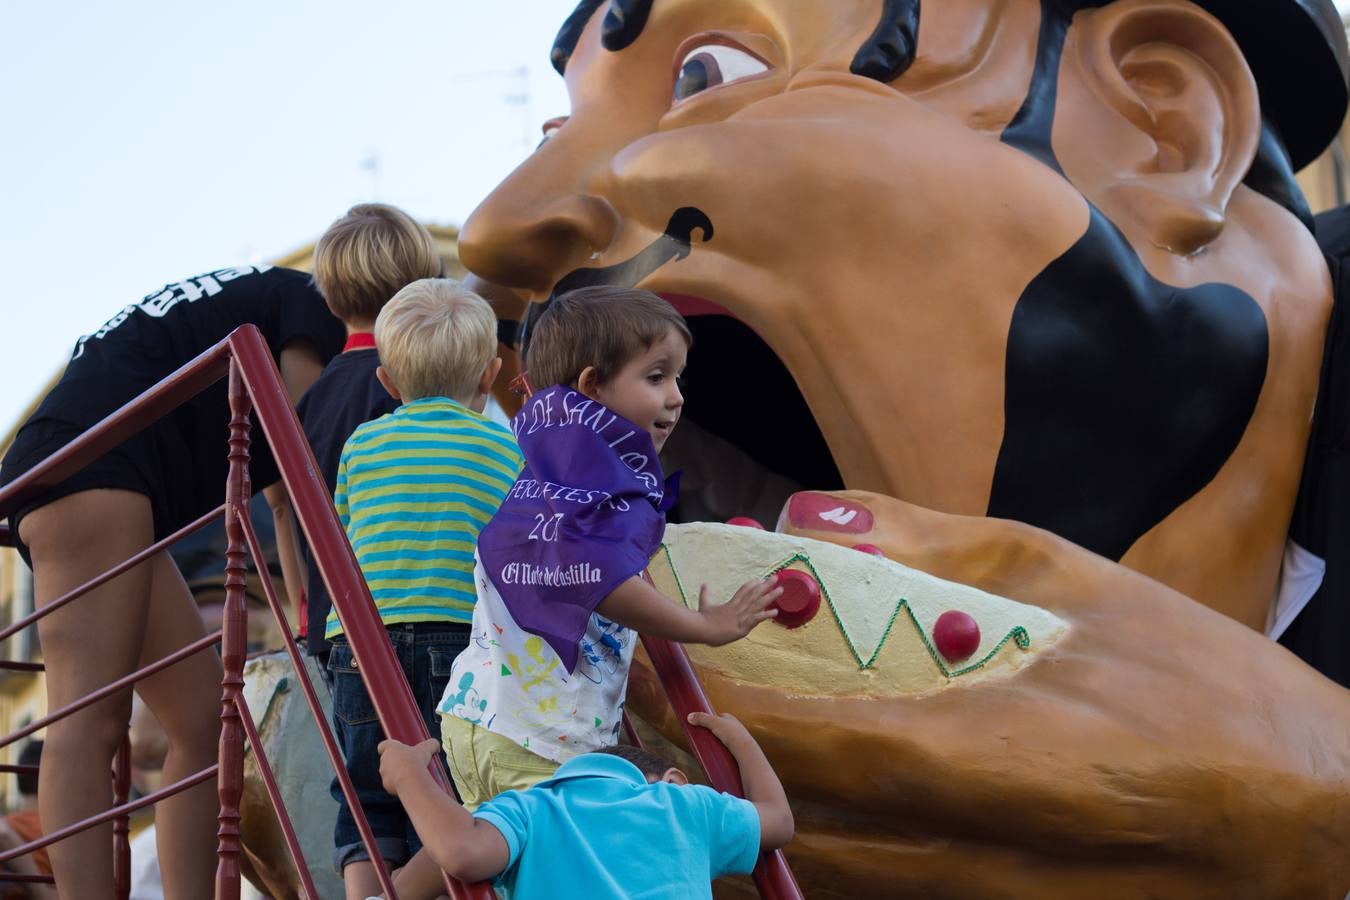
[(511, 682)]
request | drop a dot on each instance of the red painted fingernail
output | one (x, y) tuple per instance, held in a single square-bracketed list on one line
[(870, 548), (821, 512), (745, 522)]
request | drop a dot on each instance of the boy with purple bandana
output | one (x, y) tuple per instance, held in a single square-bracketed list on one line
[(559, 568)]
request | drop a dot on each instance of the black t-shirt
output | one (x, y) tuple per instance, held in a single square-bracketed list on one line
[(183, 457), (346, 396)]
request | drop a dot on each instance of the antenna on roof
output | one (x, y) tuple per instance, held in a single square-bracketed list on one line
[(371, 163)]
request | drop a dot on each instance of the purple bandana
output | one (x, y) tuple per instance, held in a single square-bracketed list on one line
[(585, 515)]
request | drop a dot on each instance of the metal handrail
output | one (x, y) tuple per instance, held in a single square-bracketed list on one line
[(184, 384), (312, 700), (124, 566), (112, 813), (112, 688), (380, 670)]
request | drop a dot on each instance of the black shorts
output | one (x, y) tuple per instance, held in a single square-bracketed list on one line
[(128, 467)]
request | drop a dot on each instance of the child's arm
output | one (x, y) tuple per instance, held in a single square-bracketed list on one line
[(465, 847), (420, 878), (300, 366), (636, 604), (293, 574), (762, 786)]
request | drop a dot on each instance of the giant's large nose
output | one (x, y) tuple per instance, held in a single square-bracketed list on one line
[(530, 231)]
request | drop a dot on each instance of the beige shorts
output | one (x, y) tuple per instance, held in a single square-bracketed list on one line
[(485, 764)]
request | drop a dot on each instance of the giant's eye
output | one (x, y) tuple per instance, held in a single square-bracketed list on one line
[(710, 65)]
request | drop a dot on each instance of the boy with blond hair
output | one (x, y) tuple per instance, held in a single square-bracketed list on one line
[(364, 258), (414, 488)]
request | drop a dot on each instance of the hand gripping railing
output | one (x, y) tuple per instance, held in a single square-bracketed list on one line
[(671, 664), (254, 386)]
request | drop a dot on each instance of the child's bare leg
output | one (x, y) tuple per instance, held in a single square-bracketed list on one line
[(186, 700), (420, 879), (360, 880), (86, 645)]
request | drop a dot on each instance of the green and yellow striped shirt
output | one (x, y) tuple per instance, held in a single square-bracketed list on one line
[(414, 488)]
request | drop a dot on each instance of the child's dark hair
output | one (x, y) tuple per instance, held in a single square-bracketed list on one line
[(602, 327), (648, 763)]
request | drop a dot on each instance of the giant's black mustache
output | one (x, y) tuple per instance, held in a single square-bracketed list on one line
[(674, 244)]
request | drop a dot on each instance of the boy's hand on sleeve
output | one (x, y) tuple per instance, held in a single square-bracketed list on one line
[(398, 761), (735, 619)]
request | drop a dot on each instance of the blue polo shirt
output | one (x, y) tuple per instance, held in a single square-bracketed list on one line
[(598, 830)]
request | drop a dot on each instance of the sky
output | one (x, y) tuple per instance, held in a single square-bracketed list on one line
[(150, 140)]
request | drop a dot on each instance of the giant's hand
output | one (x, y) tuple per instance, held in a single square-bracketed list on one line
[(1157, 749)]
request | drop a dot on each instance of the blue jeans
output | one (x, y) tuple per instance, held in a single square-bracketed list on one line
[(425, 650)]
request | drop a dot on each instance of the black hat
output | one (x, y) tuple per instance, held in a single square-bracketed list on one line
[(1297, 52)]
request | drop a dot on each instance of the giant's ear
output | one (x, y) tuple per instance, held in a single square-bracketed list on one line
[(1158, 118)]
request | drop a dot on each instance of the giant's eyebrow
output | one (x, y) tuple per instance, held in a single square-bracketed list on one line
[(623, 24), (885, 55), (893, 45)]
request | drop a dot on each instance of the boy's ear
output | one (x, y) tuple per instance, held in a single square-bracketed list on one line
[(674, 776), (388, 383), (489, 375), (588, 381)]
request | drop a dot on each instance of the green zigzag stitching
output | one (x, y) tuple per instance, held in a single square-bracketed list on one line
[(1018, 634), (679, 585)]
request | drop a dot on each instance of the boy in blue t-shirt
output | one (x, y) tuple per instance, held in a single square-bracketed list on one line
[(616, 823)]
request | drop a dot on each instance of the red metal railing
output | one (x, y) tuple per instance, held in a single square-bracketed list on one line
[(255, 387), (379, 667)]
